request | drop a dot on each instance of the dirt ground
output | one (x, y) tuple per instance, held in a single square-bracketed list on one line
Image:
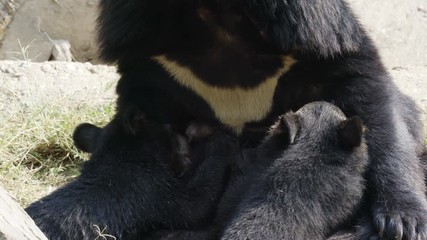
[(33, 84)]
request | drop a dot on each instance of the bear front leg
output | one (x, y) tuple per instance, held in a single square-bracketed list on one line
[(396, 179)]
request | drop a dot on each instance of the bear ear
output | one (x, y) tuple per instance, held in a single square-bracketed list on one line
[(133, 120), (350, 132), (286, 128), (85, 137), (281, 135), (289, 125)]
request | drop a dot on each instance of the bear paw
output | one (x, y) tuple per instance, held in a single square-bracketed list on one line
[(404, 223)]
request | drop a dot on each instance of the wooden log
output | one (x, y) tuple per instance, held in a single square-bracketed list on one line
[(15, 224)]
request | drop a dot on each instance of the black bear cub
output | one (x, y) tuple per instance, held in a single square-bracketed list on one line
[(129, 186), (305, 181), (313, 179)]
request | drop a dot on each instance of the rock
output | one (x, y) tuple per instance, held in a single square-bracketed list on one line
[(15, 224), (37, 22), (412, 80), (7, 10), (61, 51), (398, 27)]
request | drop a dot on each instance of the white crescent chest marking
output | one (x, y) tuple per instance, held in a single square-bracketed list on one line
[(232, 106)]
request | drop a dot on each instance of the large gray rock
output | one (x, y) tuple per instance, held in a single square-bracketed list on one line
[(398, 27), (7, 10), (37, 22), (15, 224)]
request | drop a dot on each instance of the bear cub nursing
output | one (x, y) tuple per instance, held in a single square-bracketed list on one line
[(303, 182), (130, 185), (309, 189)]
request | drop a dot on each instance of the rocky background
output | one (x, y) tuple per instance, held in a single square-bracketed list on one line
[(45, 24)]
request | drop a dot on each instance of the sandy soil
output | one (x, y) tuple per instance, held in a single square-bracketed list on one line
[(27, 84)]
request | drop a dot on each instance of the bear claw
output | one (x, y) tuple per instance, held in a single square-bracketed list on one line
[(400, 226)]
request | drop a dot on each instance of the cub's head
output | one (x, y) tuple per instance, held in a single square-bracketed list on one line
[(319, 131), (129, 137)]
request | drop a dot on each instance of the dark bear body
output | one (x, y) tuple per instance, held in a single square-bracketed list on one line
[(242, 63), (129, 186), (303, 182), (311, 188)]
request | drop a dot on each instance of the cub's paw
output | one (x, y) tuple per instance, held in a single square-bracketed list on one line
[(408, 222)]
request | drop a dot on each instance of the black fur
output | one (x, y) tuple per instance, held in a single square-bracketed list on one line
[(86, 137), (128, 186), (336, 62), (326, 28), (309, 189), (303, 182)]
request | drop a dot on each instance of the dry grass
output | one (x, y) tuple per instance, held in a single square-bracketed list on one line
[(36, 150)]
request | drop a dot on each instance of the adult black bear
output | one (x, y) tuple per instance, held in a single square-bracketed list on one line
[(129, 185), (303, 182), (242, 63)]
